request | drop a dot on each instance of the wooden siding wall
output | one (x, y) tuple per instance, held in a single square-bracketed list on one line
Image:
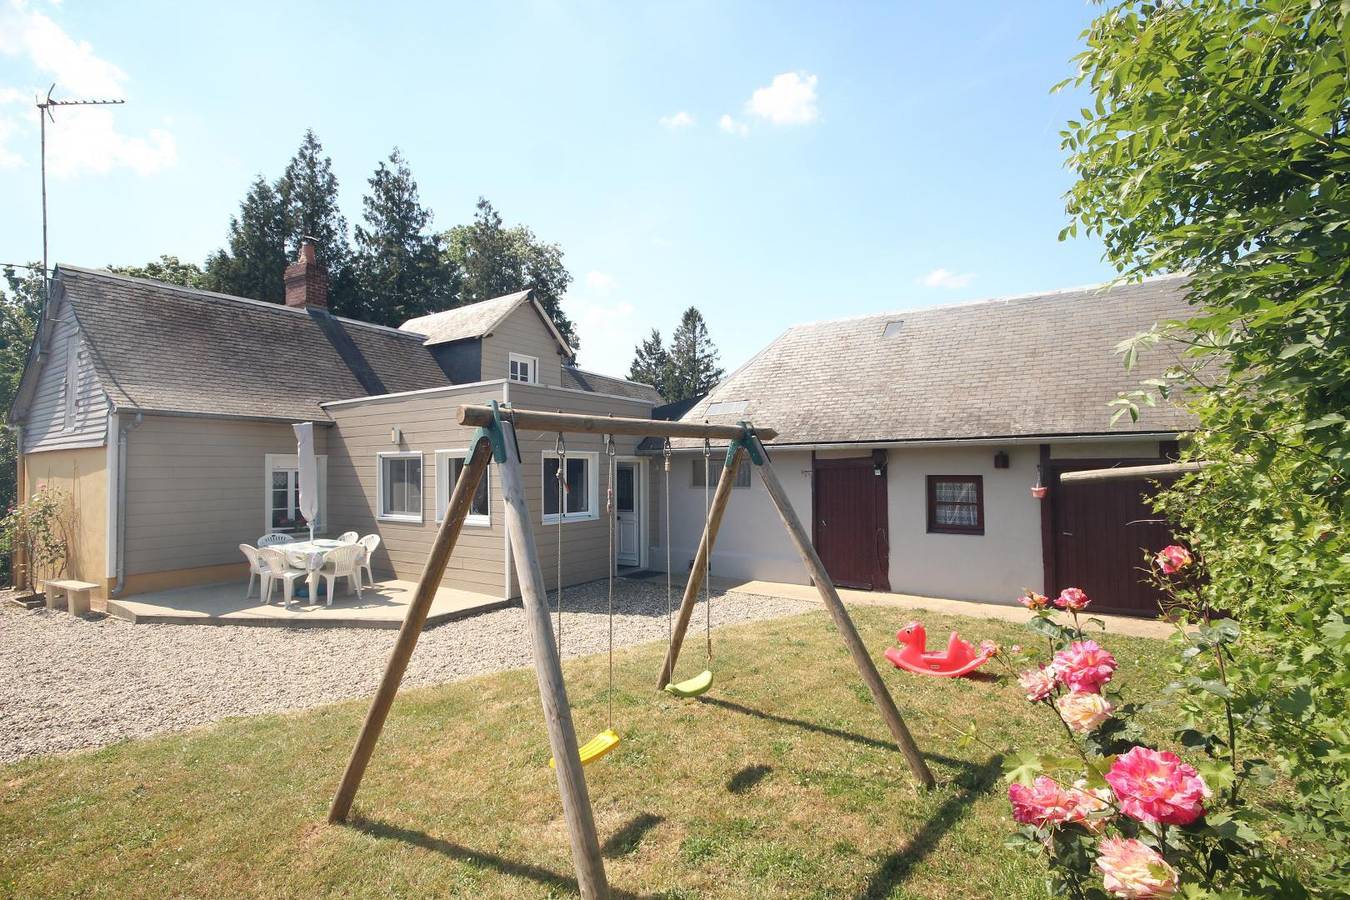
[(585, 543), (83, 475), (44, 427), (195, 489), (521, 332), (427, 421)]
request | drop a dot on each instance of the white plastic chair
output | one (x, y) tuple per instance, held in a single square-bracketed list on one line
[(347, 537), (343, 562), (255, 568), (275, 569), (271, 540), (370, 542)]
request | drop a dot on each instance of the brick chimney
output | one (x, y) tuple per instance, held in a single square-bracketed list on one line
[(306, 279)]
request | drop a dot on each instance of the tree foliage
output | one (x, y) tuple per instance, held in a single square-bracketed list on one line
[(254, 258), (308, 191), (169, 269), (20, 309), (651, 363), (693, 359), (401, 270), (497, 260), (1217, 145)]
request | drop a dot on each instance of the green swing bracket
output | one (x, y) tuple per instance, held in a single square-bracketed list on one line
[(494, 434), (747, 442)]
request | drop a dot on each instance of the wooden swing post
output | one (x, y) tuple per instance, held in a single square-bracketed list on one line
[(700, 567), (562, 734), (829, 595), (461, 501)]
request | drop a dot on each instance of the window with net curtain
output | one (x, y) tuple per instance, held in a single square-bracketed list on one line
[(956, 504), (577, 494)]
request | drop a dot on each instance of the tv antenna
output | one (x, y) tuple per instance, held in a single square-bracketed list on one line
[(44, 106)]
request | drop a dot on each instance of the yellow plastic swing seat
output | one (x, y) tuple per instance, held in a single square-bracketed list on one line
[(692, 687), (595, 748)]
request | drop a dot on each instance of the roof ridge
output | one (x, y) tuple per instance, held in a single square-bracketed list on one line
[(989, 301), (203, 294), (514, 296)]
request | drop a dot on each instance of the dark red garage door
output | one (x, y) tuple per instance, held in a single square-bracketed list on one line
[(849, 530), (1102, 531)]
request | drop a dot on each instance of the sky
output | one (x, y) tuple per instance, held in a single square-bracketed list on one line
[(769, 163)]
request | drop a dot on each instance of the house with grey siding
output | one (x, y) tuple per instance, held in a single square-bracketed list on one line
[(166, 412)]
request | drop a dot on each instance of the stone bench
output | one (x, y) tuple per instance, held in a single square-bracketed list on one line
[(75, 593)]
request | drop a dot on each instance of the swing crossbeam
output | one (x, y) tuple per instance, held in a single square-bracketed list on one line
[(539, 420)]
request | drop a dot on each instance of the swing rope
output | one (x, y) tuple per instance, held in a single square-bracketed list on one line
[(707, 557), (611, 513), (560, 450), (670, 621)]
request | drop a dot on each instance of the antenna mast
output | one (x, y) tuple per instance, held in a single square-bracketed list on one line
[(44, 107)]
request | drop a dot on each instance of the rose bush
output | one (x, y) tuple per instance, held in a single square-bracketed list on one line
[(1121, 817)]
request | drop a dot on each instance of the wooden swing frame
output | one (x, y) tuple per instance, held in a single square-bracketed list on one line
[(496, 440)]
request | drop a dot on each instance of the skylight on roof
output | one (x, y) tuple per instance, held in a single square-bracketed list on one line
[(727, 408), (893, 328)]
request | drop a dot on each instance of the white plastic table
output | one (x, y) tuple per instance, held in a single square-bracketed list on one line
[(308, 555)]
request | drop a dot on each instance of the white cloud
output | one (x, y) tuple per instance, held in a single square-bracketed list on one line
[(677, 121), (600, 282), (732, 126), (790, 99), (609, 331), (941, 278), (80, 140)]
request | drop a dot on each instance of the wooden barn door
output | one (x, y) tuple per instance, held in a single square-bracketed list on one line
[(1102, 531), (849, 529)]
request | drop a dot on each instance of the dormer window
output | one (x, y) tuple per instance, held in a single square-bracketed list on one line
[(523, 368)]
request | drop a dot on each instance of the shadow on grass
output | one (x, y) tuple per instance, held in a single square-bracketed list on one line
[(747, 778), (896, 867), (555, 881), (827, 730), (626, 839)]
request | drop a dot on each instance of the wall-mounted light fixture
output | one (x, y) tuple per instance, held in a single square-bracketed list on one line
[(878, 462), (1001, 459), (395, 435)]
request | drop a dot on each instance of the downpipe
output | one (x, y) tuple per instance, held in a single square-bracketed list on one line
[(120, 549)]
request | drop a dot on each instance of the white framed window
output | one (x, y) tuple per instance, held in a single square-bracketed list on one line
[(281, 495), (523, 368), (581, 496), (449, 466), (72, 380), (716, 466), (399, 486)]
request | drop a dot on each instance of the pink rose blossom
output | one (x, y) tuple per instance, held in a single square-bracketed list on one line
[(1083, 711), (1043, 804), (1156, 786), (1087, 802), (1038, 683), (1084, 666), (1072, 598), (1015, 649), (1173, 559), (1132, 869), (1032, 600), (988, 648)]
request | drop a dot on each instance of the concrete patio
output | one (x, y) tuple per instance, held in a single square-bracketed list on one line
[(381, 606)]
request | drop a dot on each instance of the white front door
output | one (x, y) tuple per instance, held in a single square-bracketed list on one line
[(629, 533)]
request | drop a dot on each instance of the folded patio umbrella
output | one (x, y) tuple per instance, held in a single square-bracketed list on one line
[(309, 473)]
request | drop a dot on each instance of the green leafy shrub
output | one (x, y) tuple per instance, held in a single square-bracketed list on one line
[(39, 527)]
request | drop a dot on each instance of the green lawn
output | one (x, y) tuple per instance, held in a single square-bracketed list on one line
[(781, 782)]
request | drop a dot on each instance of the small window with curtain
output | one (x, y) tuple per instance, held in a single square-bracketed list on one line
[(400, 487), (955, 504), (716, 466), (580, 498)]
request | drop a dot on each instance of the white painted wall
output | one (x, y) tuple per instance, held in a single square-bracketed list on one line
[(751, 543), (993, 567)]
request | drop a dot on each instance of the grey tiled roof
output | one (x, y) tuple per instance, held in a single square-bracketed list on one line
[(171, 349), (462, 322), (1025, 366), (582, 380)]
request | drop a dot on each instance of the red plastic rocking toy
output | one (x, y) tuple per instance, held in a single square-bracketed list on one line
[(960, 658)]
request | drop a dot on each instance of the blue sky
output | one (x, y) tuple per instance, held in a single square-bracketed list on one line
[(770, 163)]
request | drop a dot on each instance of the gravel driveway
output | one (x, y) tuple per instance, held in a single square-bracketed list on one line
[(69, 684)]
